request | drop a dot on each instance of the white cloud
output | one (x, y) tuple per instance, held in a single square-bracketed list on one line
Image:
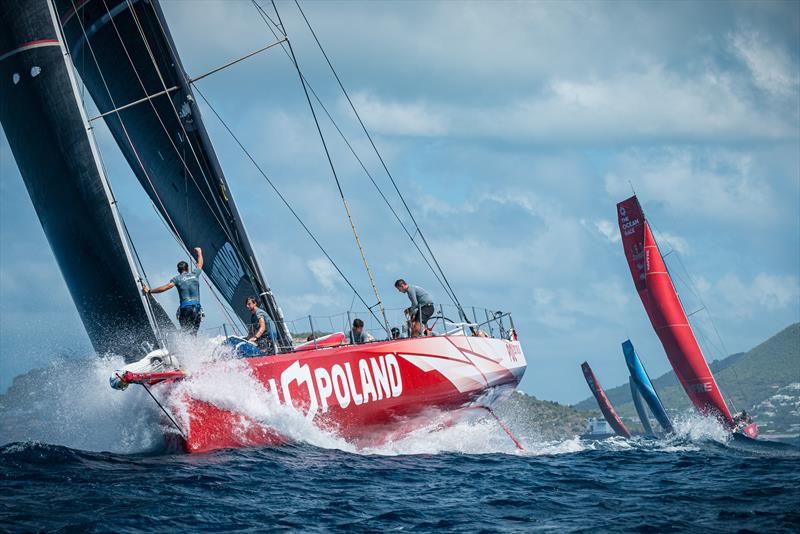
[(604, 227), (324, 272), (771, 68), (696, 183), (738, 298), (399, 118)]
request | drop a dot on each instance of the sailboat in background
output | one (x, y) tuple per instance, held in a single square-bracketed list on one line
[(665, 311), (641, 410), (642, 387), (602, 401), (130, 66)]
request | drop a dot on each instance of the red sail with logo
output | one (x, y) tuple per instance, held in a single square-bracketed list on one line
[(602, 400), (666, 313)]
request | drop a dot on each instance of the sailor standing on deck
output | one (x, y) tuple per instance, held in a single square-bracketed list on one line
[(421, 306), (190, 313), (257, 330)]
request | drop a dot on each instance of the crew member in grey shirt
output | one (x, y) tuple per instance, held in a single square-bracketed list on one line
[(190, 313), (258, 329), (357, 334), (421, 306)]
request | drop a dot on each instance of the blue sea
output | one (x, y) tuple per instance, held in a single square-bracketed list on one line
[(467, 477)]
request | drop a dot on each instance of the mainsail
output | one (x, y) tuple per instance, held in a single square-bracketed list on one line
[(602, 401), (666, 313), (124, 53), (645, 386), (47, 131), (640, 408)]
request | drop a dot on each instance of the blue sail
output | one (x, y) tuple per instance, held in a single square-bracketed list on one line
[(640, 409), (648, 392)]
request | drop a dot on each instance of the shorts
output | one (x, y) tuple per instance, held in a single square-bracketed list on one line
[(189, 318), (424, 313)]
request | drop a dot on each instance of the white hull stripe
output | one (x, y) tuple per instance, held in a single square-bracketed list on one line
[(29, 46)]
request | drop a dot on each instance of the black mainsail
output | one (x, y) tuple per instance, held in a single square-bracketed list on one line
[(47, 132), (124, 53)]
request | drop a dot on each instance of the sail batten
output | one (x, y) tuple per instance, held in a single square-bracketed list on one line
[(666, 312)]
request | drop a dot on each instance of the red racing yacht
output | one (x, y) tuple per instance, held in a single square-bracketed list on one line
[(660, 299), (126, 58)]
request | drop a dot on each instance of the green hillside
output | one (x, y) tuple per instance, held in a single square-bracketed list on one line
[(765, 381), (543, 419)]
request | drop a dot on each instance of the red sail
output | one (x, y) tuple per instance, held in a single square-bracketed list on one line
[(605, 405), (661, 302)]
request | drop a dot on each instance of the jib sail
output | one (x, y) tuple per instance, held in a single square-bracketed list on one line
[(124, 53), (645, 386), (47, 131), (666, 313), (602, 400)]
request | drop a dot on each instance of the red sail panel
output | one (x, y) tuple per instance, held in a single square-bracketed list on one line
[(666, 314), (602, 401)]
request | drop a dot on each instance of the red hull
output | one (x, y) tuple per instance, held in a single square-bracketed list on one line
[(365, 393), (665, 311)]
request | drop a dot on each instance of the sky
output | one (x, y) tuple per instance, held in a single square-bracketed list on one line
[(513, 129)]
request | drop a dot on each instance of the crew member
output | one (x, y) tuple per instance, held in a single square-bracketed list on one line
[(357, 334), (190, 313), (421, 306), (395, 332), (257, 330)]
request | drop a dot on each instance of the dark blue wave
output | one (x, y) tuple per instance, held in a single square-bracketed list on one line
[(708, 486)]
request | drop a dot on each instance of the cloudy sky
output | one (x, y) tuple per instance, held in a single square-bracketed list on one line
[(513, 129)]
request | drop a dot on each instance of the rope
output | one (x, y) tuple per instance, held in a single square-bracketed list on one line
[(380, 157), (180, 430), (335, 176), (265, 17)]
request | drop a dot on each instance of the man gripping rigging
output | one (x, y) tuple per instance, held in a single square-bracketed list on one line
[(190, 313)]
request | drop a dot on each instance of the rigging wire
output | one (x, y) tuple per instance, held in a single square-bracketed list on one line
[(335, 176), (380, 157), (267, 20), (690, 285), (286, 203)]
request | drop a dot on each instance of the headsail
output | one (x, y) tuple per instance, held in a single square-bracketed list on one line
[(664, 309), (602, 401), (124, 53), (46, 129), (640, 408), (645, 386)]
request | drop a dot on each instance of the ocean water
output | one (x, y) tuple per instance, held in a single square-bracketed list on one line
[(81, 457)]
